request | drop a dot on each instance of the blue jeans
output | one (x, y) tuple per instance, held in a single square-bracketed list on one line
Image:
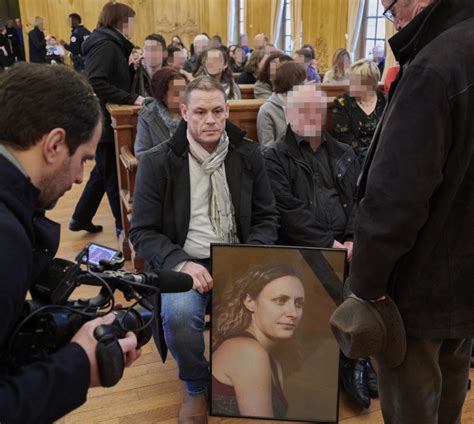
[(183, 323)]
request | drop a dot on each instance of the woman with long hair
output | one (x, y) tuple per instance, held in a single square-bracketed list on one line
[(252, 68), (264, 86), (214, 62), (339, 72), (259, 312)]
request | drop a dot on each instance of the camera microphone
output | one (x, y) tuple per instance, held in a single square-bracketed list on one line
[(166, 281)]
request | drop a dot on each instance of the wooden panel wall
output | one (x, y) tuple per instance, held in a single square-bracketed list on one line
[(324, 21), (325, 26)]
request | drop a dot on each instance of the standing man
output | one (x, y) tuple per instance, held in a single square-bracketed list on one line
[(206, 184), (37, 42), (378, 56), (12, 35), (78, 35), (415, 221), (19, 31)]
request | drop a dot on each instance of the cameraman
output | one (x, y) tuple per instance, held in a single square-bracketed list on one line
[(50, 124)]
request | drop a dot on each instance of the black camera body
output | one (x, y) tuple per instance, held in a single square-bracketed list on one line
[(50, 320)]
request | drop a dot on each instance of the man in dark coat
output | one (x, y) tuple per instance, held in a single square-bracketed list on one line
[(207, 184), (79, 34), (15, 41), (106, 53), (37, 42), (46, 139), (6, 54), (415, 221), (314, 178)]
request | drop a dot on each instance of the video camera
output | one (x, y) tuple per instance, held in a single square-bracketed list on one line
[(49, 320)]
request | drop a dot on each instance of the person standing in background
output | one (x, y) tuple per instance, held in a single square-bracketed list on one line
[(106, 53), (19, 31), (37, 42), (78, 35), (12, 35)]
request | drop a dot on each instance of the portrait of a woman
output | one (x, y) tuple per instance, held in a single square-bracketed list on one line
[(256, 315)]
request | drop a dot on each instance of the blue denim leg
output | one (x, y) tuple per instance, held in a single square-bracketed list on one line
[(183, 323)]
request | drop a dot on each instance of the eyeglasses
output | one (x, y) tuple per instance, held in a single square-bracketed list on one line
[(388, 12)]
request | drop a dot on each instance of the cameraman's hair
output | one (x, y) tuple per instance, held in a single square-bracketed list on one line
[(114, 15), (35, 99), (203, 83), (76, 17)]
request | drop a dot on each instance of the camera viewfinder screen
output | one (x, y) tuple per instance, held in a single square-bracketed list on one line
[(99, 253)]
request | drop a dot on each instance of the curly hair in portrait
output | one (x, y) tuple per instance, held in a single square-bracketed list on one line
[(231, 317)]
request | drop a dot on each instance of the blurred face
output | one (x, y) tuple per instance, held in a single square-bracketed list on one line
[(128, 28), (200, 46), (239, 56), (18, 21), (358, 86), (175, 95), (178, 60), (51, 41), (176, 42), (232, 51), (278, 309), (259, 41), (244, 40), (306, 110), (40, 25), (153, 54), (377, 54), (215, 63), (67, 171), (136, 55), (206, 113)]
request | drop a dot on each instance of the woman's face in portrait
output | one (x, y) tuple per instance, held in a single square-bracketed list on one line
[(215, 63), (278, 309)]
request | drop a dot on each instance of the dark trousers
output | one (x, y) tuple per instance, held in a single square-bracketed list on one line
[(103, 179), (430, 386)]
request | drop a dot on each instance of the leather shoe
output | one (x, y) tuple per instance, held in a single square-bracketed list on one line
[(86, 226), (194, 409), (354, 380), (372, 380)]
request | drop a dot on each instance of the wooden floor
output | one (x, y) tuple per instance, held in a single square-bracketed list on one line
[(150, 391)]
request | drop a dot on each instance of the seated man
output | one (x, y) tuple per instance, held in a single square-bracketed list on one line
[(314, 177), (206, 184)]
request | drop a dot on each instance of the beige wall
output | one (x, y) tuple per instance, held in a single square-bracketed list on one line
[(324, 21)]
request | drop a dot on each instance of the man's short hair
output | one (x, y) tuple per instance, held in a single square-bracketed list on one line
[(76, 17), (203, 83), (288, 75), (35, 99), (37, 20), (114, 15), (306, 53), (158, 38)]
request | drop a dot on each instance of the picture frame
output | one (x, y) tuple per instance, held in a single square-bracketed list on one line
[(272, 352)]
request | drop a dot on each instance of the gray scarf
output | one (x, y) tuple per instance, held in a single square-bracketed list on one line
[(221, 209)]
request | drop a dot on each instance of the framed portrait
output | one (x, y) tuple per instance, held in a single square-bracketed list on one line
[(273, 355)]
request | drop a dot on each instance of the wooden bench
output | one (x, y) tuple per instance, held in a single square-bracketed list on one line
[(246, 90)]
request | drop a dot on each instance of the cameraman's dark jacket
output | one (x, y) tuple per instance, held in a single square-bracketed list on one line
[(44, 391), (295, 188)]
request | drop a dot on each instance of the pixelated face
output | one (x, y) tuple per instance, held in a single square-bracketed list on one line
[(176, 42), (239, 56), (153, 54), (178, 60), (359, 86), (200, 46), (175, 94), (306, 110), (278, 309), (128, 28), (259, 41), (67, 170), (244, 40), (232, 51), (51, 41), (215, 63), (206, 113)]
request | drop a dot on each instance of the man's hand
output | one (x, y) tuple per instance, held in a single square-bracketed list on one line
[(202, 280), (349, 246), (139, 101), (85, 338)]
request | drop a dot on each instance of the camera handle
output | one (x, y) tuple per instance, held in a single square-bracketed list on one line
[(109, 354)]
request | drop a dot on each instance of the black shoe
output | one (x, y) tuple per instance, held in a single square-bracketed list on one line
[(86, 226), (354, 381), (372, 380)]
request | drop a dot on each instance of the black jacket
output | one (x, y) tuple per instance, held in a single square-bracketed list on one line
[(294, 188), (106, 53), (415, 221), (37, 44), (161, 203), (78, 35), (8, 59), (43, 391)]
